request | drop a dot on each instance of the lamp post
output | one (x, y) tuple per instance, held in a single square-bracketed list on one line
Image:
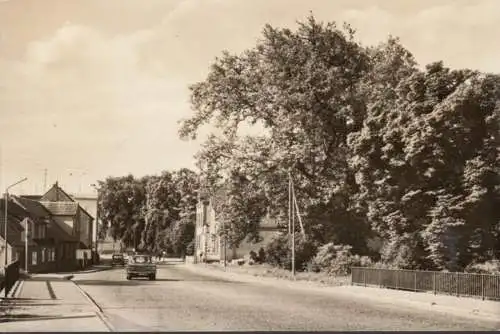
[(5, 227), (96, 245)]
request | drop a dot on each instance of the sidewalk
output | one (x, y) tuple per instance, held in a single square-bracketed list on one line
[(49, 305), (68, 275), (464, 307)]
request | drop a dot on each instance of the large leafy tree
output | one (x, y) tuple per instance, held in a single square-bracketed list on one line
[(304, 89), (422, 137), (182, 230), (120, 203)]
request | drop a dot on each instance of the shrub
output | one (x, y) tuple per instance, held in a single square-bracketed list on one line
[(253, 258), (262, 255), (278, 251), (190, 248), (338, 259), (488, 267)]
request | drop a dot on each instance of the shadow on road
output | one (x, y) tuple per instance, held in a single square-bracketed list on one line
[(139, 281), (34, 317)]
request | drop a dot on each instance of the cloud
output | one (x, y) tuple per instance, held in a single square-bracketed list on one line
[(105, 94)]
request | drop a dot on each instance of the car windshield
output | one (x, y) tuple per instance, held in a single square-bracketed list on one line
[(117, 255), (141, 259)]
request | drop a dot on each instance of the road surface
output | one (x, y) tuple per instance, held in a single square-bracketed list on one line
[(183, 300)]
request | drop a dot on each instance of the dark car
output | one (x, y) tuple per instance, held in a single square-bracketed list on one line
[(118, 260), (141, 266)]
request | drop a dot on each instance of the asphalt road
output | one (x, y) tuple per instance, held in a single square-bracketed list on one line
[(182, 300)]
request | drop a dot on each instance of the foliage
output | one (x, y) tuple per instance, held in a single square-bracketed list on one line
[(338, 259), (153, 213), (302, 90), (489, 267), (278, 251), (190, 248), (120, 203), (376, 146)]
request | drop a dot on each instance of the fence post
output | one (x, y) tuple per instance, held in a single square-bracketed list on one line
[(364, 277), (380, 277), (415, 276), (458, 285), (434, 282), (482, 286)]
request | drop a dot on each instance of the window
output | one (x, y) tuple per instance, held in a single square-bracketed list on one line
[(43, 255), (34, 258)]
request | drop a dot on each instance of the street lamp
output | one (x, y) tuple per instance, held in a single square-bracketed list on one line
[(5, 227), (96, 219)]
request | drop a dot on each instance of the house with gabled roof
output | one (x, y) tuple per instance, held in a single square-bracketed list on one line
[(56, 244), (73, 225), (27, 236), (70, 215)]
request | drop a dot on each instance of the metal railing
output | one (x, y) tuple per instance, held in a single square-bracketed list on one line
[(11, 276), (484, 286)]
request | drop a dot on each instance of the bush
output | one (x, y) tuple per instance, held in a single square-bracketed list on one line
[(278, 251), (338, 259), (262, 255), (488, 267), (253, 258), (190, 249)]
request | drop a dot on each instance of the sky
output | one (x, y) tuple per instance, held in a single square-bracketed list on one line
[(96, 88)]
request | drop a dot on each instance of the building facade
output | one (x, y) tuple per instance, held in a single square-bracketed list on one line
[(210, 246)]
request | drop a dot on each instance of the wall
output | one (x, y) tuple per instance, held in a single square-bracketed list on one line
[(85, 229), (10, 254), (89, 203), (66, 223)]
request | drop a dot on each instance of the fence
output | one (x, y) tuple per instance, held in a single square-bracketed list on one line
[(11, 276), (484, 286)]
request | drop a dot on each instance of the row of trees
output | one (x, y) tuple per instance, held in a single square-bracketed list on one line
[(376, 145), (153, 213)]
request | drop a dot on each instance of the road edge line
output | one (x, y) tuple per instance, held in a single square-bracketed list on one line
[(98, 310)]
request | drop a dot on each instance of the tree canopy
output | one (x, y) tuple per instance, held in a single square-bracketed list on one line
[(376, 145)]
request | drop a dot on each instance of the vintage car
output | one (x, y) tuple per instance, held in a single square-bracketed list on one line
[(118, 259), (141, 266)]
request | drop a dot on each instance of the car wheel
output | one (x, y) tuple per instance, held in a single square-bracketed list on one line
[(129, 277)]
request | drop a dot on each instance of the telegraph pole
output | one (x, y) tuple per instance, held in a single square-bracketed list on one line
[(44, 180), (291, 220)]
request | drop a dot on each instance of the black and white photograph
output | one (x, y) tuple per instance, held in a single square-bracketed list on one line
[(249, 165)]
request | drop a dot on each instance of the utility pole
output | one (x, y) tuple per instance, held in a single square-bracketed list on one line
[(293, 237), (44, 180), (96, 240), (291, 220), (26, 224)]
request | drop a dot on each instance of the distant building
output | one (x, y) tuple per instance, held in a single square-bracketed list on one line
[(209, 245)]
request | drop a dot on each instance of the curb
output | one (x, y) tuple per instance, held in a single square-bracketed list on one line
[(98, 310), (52, 277)]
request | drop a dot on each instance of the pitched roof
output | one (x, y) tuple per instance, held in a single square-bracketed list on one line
[(61, 196), (14, 209), (34, 207), (61, 208), (56, 194), (32, 197)]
